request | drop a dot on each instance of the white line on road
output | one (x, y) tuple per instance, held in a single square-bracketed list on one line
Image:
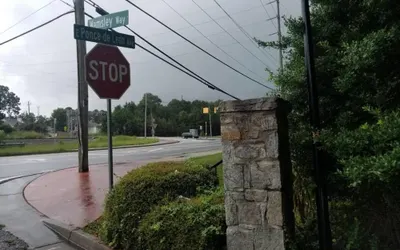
[(154, 150), (2, 181)]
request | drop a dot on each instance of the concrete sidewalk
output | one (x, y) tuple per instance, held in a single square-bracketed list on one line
[(74, 198)]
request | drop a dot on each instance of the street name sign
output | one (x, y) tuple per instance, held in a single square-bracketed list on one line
[(82, 32), (109, 21), (107, 71)]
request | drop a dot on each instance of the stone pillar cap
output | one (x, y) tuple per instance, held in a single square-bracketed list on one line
[(258, 104)]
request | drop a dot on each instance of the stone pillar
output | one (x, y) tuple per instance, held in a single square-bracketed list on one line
[(257, 174)]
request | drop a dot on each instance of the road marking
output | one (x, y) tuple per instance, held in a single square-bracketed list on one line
[(2, 181), (154, 150), (53, 248)]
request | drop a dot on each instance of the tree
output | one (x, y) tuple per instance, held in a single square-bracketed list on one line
[(9, 103), (172, 119), (356, 71), (31, 123), (60, 114)]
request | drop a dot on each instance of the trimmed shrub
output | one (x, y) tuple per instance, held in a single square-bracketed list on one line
[(197, 224), (6, 128), (141, 190)]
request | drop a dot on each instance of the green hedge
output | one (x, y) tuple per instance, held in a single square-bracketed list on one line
[(197, 224), (141, 190)]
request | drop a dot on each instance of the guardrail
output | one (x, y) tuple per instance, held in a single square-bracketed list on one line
[(12, 144)]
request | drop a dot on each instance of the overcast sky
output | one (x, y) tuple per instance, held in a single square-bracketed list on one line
[(41, 67)]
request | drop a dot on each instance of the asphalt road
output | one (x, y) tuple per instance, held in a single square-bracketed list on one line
[(33, 164), (24, 222)]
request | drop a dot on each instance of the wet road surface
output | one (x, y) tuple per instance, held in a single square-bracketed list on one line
[(22, 220)]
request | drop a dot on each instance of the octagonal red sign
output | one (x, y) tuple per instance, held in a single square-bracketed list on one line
[(107, 71)]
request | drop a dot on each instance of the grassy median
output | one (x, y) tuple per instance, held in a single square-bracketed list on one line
[(98, 142)]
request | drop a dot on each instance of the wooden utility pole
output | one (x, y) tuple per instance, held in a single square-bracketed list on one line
[(145, 115), (82, 92), (278, 10)]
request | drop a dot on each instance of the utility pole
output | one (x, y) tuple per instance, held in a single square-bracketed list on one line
[(38, 110), (153, 125), (54, 125), (209, 113), (279, 31), (29, 107), (278, 10), (145, 115), (82, 92), (205, 129), (324, 229)]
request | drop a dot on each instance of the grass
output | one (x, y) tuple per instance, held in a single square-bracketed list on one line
[(99, 142), (210, 160), (24, 135)]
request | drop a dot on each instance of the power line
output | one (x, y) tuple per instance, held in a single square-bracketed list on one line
[(23, 19), (205, 12), (244, 31), (210, 39), (161, 46), (70, 5), (37, 27), (190, 73), (195, 45)]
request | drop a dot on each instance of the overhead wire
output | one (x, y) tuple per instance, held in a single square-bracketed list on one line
[(192, 43), (244, 47), (211, 40), (245, 32), (70, 5), (37, 27), (188, 72), (23, 19)]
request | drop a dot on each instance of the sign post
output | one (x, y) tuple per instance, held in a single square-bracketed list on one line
[(110, 153), (108, 74)]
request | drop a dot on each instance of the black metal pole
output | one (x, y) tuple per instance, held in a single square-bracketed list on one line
[(324, 230), (110, 148)]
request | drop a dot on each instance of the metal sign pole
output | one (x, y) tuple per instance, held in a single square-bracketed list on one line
[(324, 230), (110, 150)]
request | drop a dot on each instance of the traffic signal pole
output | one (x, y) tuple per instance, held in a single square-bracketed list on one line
[(83, 120)]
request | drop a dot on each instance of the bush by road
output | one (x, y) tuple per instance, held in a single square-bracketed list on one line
[(134, 206)]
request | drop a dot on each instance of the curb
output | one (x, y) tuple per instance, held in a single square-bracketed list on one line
[(75, 236), (96, 149), (2, 181), (135, 146)]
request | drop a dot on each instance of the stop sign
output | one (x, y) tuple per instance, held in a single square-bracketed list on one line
[(107, 71)]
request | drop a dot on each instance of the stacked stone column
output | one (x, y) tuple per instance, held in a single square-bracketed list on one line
[(257, 174)]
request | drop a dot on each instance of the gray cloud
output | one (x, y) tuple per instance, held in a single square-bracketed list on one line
[(41, 67)]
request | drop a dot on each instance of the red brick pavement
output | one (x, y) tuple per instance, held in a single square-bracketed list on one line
[(71, 197)]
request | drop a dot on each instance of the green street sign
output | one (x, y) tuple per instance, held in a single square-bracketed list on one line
[(109, 21), (82, 32)]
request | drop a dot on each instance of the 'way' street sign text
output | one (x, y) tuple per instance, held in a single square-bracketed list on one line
[(103, 36), (109, 21)]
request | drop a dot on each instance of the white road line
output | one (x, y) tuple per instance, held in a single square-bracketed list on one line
[(154, 150)]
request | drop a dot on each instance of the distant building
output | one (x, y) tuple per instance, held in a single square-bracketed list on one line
[(94, 128), (12, 121)]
